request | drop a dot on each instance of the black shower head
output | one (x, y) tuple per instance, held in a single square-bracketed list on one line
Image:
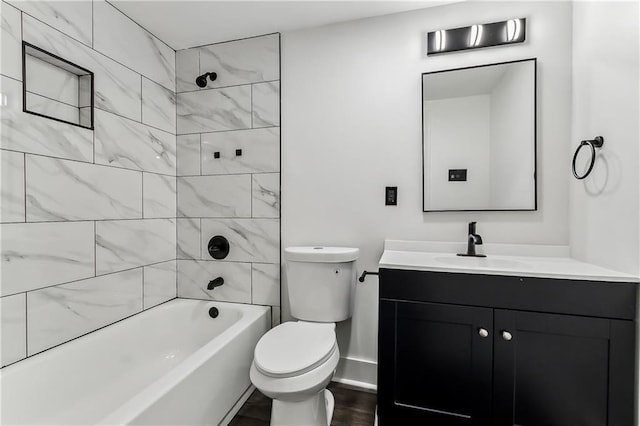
[(201, 81)]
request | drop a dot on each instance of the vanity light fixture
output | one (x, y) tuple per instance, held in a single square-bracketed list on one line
[(476, 36)]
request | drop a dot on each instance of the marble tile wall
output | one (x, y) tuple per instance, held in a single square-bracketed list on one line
[(87, 218), (228, 168)]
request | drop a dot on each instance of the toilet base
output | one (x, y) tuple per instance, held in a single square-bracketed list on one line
[(314, 411)]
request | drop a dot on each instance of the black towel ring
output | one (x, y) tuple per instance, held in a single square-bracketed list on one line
[(593, 144)]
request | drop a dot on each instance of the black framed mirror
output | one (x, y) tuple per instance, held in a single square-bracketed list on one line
[(479, 138)]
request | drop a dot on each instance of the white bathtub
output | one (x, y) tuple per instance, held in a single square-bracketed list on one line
[(173, 364)]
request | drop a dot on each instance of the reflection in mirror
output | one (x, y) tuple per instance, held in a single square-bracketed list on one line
[(479, 138)]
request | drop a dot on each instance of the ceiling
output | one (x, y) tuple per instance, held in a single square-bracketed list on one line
[(183, 24)]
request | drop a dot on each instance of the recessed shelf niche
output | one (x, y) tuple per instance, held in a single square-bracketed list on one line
[(56, 88)]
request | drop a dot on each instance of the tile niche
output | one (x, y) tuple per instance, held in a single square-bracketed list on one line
[(55, 88)]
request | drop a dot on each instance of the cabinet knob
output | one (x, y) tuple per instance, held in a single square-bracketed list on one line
[(483, 332), (506, 335)]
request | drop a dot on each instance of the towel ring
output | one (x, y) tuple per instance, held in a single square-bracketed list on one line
[(593, 144)]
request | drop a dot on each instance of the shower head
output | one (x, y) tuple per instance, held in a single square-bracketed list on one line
[(201, 81)]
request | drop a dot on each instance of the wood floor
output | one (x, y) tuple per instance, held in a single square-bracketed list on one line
[(353, 408)]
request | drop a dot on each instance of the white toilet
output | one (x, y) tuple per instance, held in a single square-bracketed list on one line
[(295, 361)]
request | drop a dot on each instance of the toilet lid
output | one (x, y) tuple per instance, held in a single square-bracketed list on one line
[(293, 348)]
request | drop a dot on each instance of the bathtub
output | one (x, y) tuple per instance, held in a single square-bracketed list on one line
[(172, 364)]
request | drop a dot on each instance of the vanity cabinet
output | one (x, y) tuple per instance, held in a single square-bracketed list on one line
[(469, 349)]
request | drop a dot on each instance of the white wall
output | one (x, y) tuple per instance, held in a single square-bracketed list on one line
[(604, 207), (456, 135), (605, 215), (351, 111)]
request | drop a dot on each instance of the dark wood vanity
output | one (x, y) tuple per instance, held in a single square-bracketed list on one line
[(473, 349)]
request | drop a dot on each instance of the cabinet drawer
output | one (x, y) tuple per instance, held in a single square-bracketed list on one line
[(589, 298)]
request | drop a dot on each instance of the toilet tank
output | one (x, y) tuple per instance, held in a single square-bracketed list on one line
[(320, 281)]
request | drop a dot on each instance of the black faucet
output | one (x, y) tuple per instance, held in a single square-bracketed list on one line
[(473, 240), (215, 283)]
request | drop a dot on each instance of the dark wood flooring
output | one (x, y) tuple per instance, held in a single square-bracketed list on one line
[(353, 408)]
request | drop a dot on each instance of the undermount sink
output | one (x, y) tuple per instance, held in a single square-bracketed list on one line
[(478, 262)]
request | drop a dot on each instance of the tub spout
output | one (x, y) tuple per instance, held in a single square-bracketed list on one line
[(215, 283)]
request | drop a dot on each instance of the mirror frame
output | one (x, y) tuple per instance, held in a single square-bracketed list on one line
[(535, 135)]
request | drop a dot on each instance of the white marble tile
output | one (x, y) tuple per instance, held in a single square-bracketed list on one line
[(159, 283), (125, 143), (36, 255), (158, 106), (244, 61), (70, 190), (265, 195), (61, 313), (275, 316), (49, 80), (10, 41), (51, 108), (251, 240), (260, 151), (214, 196), (38, 135), (117, 88), (214, 110), (188, 238), (265, 104), (187, 69), (11, 186), (125, 244), (159, 196), (71, 17), (13, 326), (194, 276), (132, 45), (188, 147), (265, 284)]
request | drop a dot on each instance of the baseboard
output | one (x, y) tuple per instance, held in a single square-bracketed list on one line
[(360, 373), (238, 405)]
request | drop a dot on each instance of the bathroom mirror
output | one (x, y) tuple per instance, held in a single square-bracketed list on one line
[(479, 138)]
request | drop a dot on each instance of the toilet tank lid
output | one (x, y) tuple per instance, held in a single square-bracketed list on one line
[(321, 254)]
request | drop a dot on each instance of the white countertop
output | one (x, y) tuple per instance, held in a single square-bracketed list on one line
[(502, 259)]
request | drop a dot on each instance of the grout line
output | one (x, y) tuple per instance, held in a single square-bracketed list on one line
[(93, 26), (229, 41), (24, 182), (107, 220), (56, 100), (135, 22), (226, 131), (280, 177), (85, 45), (85, 162), (141, 100), (206, 89), (142, 188), (95, 248), (136, 121), (200, 155), (90, 332), (106, 274), (26, 325)]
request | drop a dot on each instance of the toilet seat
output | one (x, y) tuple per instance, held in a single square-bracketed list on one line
[(295, 348)]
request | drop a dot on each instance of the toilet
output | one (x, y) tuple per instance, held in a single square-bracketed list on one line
[(294, 362)]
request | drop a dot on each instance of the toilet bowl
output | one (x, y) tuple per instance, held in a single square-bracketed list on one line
[(294, 362)]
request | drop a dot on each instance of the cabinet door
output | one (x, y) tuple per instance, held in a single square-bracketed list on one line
[(558, 370), (435, 364)]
